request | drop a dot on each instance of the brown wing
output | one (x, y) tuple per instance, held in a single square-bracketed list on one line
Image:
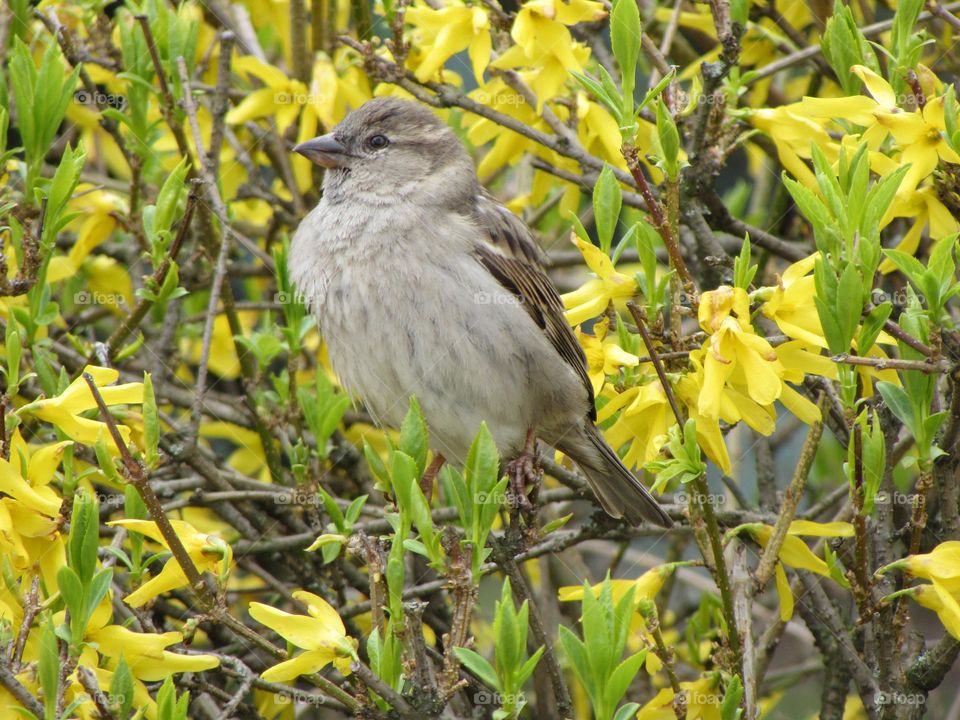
[(540, 299), (506, 231)]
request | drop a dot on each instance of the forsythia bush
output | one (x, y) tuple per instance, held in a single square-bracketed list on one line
[(752, 209)]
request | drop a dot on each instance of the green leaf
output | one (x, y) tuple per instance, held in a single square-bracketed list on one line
[(354, 509), (483, 462), (13, 356), (413, 435), (151, 422), (121, 689), (630, 710), (657, 90), (526, 670), (730, 707), (872, 325), (478, 665), (71, 589), (612, 101), (878, 200), (899, 404), (84, 537), (106, 461), (625, 40), (844, 46), (849, 304), (669, 139), (813, 209), (575, 651), (622, 676), (377, 467), (743, 271), (607, 201), (874, 458), (48, 669)]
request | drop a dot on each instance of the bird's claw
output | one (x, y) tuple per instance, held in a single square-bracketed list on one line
[(524, 470)]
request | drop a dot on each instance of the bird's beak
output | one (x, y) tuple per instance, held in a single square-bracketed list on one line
[(324, 151)]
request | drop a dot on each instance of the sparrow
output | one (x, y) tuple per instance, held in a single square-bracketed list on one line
[(424, 285)]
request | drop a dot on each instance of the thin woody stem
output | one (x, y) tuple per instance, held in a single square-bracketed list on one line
[(926, 366), (791, 500), (138, 476), (659, 217), (705, 508)]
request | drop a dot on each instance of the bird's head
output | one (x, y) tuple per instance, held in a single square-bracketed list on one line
[(390, 144)]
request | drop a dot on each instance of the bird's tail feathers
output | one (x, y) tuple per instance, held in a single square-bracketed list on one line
[(619, 491)]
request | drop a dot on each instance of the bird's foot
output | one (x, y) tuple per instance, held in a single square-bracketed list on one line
[(525, 475)]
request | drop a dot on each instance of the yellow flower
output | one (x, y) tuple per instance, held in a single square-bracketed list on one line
[(27, 475), (508, 147), (146, 653), (208, 552), (321, 634), (791, 305), (644, 422), (338, 85), (795, 553), (925, 207), (593, 297), (281, 97), (940, 565), (604, 355), (703, 700), (544, 44), (65, 410), (447, 31), (249, 457), (97, 219), (223, 353), (734, 352), (937, 598), (792, 134), (645, 587), (921, 137), (797, 360), (709, 436)]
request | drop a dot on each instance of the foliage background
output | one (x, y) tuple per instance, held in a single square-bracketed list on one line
[(776, 186)]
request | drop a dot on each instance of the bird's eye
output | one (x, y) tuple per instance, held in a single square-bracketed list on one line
[(378, 141)]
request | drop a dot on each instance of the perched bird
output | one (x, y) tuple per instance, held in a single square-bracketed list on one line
[(424, 285)]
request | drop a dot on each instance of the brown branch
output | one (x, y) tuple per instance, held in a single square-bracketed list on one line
[(19, 692), (659, 217), (814, 50), (706, 509), (791, 500), (925, 366)]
